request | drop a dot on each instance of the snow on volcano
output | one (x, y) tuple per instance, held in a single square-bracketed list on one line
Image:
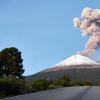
[(77, 60)]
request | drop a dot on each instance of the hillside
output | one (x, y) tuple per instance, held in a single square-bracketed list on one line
[(92, 74), (78, 67)]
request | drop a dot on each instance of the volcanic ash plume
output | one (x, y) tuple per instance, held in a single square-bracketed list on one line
[(90, 26)]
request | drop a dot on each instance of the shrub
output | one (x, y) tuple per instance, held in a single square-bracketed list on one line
[(98, 84), (10, 86), (62, 82), (88, 83), (58, 83), (66, 78), (51, 86), (18, 86), (76, 83), (39, 85)]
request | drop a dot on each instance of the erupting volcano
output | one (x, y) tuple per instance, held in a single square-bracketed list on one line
[(75, 61)]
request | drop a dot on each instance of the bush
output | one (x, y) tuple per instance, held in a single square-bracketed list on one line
[(66, 78), (58, 83), (28, 87), (39, 85), (76, 83), (4, 86), (98, 84), (88, 83), (10, 86), (62, 82), (51, 86), (18, 86), (2, 94)]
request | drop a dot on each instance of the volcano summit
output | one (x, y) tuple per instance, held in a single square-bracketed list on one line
[(75, 61)]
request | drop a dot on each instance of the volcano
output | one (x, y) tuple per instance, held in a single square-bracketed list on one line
[(78, 67), (75, 61)]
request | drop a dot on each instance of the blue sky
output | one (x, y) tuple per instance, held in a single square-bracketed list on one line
[(42, 30)]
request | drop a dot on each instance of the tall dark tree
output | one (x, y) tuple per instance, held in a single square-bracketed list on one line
[(1, 68), (11, 62)]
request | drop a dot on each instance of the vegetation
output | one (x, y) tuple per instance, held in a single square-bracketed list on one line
[(10, 86), (12, 81), (39, 85), (61, 82), (11, 70), (11, 63), (76, 83), (81, 74), (88, 83)]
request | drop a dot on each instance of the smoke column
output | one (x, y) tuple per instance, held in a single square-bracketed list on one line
[(89, 24)]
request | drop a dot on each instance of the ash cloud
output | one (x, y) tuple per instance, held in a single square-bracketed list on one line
[(89, 24)]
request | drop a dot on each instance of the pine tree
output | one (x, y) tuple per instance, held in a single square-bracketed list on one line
[(11, 63)]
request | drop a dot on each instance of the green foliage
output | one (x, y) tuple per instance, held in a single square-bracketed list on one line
[(10, 86), (61, 82), (42, 84), (98, 84), (11, 63), (39, 85), (11, 70), (12, 83), (66, 78), (76, 83), (88, 83), (52, 86)]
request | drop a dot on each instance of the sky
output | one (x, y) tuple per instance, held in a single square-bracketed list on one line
[(43, 30)]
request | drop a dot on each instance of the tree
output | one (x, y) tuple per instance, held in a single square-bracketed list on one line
[(11, 63), (1, 67)]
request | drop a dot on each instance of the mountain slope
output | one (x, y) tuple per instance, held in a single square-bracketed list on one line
[(92, 74), (77, 67)]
